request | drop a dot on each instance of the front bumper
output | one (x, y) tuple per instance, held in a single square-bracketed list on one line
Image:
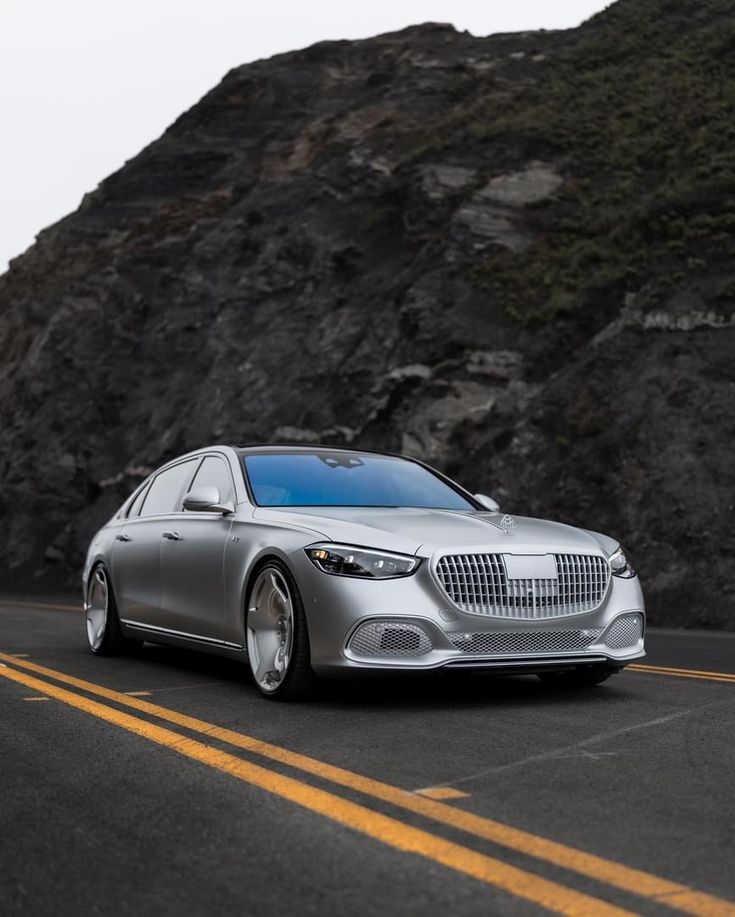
[(409, 624)]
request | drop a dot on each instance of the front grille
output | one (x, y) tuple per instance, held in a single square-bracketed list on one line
[(390, 638), (522, 642), (479, 584), (624, 632)]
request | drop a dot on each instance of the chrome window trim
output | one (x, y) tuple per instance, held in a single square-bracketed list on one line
[(223, 458), (196, 461)]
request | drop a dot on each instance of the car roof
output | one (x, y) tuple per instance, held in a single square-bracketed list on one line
[(260, 448)]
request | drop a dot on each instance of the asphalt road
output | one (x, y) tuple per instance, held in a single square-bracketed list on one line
[(162, 783)]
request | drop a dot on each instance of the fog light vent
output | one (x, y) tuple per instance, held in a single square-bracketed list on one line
[(624, 632), (390, 639)]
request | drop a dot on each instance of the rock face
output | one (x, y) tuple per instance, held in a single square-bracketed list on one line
[(511, 256)]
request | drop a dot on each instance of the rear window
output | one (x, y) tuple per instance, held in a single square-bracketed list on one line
[(134, 509)]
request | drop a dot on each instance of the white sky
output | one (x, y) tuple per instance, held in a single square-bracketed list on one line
[(85, 84)]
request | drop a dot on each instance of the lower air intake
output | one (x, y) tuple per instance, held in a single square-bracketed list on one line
[(525, 642), (389, 639), (624, 632)]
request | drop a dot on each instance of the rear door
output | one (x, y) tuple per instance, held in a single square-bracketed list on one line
[(137, 551), (192, 565)]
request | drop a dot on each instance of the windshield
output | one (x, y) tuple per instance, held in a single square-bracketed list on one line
[(346, 479)]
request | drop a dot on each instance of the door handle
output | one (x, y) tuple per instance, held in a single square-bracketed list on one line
[(172, 536), (123, 538)]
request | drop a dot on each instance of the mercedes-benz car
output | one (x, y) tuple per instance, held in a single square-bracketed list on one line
[(308, 561)]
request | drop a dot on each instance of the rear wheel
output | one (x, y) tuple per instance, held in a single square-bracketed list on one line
[(583, 677), (278, 641), (104, 634)]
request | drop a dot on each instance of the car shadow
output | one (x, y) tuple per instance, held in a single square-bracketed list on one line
[(443, 689)]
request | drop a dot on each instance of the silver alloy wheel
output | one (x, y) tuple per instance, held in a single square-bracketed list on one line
[(270, 629), (98, 597)]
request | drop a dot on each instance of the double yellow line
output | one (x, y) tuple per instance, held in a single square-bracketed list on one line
[(681, 673), (389, 830)]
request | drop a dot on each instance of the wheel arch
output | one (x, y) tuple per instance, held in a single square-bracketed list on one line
[(97, 562), (261, 560)]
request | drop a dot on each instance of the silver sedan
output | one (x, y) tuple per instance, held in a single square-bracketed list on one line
[(310, 561)]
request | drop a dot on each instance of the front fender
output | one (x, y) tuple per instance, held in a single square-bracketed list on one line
[(250, 543)]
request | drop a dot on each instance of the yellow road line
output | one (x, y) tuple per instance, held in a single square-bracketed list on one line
[(389, 831), (681, 673), (442, 792), (44, 605), (641, 883)]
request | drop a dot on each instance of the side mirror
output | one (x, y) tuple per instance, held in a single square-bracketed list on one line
[(206, 500), (488, 503)]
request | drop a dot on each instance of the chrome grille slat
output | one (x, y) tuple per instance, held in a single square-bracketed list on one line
[(479, 584), (494, 563)]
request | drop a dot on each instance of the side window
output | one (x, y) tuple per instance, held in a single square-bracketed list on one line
[(167, 490), (137, 503), (214, 472)]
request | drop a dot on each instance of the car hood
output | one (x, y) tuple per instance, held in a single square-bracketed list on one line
[(410, 530)]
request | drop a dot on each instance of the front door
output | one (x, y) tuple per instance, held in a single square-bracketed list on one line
[(192, 562)]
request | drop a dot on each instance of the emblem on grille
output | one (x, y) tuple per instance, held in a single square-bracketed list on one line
[(507, 524)]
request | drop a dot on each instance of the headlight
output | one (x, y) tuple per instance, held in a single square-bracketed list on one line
[(620, 565), (343, 560)]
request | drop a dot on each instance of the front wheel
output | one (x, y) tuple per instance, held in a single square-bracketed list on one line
[(104, 634), (583, 677), (277, 638)]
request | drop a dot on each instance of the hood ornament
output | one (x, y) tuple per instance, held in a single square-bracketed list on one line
[(507, 524)]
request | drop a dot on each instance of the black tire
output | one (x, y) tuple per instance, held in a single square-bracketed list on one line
[(111, 641), (299, 681), (582, 677)]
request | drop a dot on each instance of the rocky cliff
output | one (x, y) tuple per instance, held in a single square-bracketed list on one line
[(511, 256)]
